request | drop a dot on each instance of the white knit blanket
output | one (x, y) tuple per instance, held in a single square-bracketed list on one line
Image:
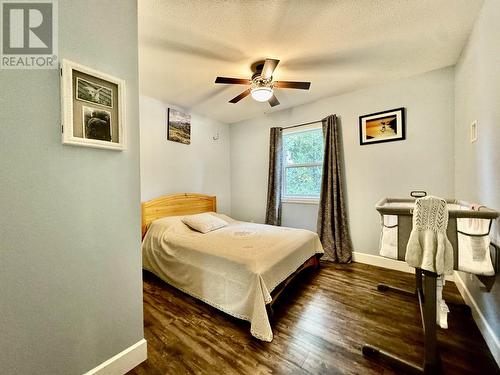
[(428, 247)]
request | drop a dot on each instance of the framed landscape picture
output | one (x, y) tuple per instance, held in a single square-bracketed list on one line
[(92, 107), (178, 126), (386, 126)]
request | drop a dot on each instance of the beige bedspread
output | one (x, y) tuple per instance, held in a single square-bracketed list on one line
[(234, 268)]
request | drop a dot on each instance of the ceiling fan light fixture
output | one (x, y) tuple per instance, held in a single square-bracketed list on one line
[(262, 94), (262, 84)]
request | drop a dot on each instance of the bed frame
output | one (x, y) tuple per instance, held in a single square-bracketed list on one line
[(176, 205), (312, 263), (191, 203)]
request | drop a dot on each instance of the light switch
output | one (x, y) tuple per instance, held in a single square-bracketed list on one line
[(473, 131)]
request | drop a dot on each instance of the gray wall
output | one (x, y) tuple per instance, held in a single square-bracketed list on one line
[(169, 167), (423, 161), (70, 261), (477, 165)]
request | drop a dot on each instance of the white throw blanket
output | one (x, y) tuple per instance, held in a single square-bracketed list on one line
[(428, 247)]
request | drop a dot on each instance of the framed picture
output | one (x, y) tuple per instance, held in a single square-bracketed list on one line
[(97, 124), (386, 126), (178, 126), (92, 107), (93, 93)]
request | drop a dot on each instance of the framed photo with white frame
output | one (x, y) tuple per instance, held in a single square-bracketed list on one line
[(93, 104)]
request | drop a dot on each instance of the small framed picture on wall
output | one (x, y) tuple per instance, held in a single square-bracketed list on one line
[(178, 126), (92, 107), (386, 126)]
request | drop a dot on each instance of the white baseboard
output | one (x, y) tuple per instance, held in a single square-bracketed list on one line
[(123, 361), (376, 260), (489, 335), (392, 264)]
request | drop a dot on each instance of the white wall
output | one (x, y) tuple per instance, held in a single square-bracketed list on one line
[(424, 161), (169, 167), (70, 237), (477, 90), (477, 165)]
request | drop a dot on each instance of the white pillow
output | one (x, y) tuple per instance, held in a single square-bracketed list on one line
[(204, 222)]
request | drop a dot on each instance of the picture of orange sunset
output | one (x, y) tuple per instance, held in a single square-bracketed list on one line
[(381, 127)]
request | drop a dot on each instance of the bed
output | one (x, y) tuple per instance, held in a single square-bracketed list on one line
[(240, 269)]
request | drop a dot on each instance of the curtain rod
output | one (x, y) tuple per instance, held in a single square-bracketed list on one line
[(304, 124)]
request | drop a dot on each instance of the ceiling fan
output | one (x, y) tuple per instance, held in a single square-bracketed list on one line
[(262, 84)]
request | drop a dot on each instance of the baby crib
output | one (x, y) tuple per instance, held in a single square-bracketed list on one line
[(468, 232)]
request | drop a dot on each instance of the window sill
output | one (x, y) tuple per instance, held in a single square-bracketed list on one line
[(300, 201)]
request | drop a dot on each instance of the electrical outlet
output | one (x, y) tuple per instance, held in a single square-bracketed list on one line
[(473, 131)]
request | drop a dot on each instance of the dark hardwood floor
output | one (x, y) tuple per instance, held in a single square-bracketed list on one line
[(319, 326)]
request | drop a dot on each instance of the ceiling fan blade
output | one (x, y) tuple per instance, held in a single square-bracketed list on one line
[(233, 81), (292, 85), (241, 96), (268, 68), (273, 101)]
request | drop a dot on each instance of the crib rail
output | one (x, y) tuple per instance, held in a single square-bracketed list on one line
[(406, 209)]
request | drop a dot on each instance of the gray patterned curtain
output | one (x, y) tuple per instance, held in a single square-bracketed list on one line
[(333, 228), (273, 209)]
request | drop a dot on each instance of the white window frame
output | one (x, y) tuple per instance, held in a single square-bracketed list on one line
[(297, 198)]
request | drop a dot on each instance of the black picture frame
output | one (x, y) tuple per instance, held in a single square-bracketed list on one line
[(396, 128)]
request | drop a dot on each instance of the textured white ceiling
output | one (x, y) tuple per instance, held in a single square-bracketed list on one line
[(338, 45)]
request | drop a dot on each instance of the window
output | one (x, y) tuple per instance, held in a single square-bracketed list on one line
[(302, 165)]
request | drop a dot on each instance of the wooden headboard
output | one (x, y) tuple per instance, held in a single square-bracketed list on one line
[(176, 205)]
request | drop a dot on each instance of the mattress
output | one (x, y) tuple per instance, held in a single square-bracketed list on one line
[(233, 269)]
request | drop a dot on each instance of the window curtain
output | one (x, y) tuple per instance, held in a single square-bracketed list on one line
[(332, 225), (273, 209)]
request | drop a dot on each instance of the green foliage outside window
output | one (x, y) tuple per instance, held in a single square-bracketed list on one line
[(303, 156), (303, 147), (303, 181)]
